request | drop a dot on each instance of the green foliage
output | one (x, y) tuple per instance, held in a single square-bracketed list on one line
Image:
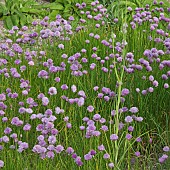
[(19, 12), (64, 8)]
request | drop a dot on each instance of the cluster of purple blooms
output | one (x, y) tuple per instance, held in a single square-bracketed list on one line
[(79, 64)]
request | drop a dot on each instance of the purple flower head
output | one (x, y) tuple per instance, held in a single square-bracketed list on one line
[(82, 93), (87, 157), (57, 79), (84, 60), (155, 83), (45, 101), (23, 145), (52, 139), (4, 119), (115, 20), (113, 137), (137, 90), (128, 119), (138, 139), (130, 128), (70, 150), (164, 156), (90, 108), (125, 92), (59, 148), (2, 97), (106, 98), (1, 164), (133, 110), (14, 135), (5, 139), (74, 155), (51, 147), (79, 162), (121, 125), (21, 110), (92, 66), (29, 110), (54, 131), (52, 118), (83, 50), (101, 148), (92, 152), (166, 149), (50, 154), (15, 28), (137, 153), (61, 46), (58, 110), (43, 74), (96, 117), (150, 89), (166, 85), (48, 112), (14, 95), (71, 18), (64, 87), (102, 120), (104, 128), (106, 156), (139, 119), (97, 36), (82, 127), (91, 128), (24, 92), (69, 126), (8, 90), (96, 133), (39, 149), (111, 165), (31, 63), (100, 95), (144, 92), (161, 160), (49, 125), (73, 88), (14, 120), (40, 127), (164, 77), (80, 101), (113, 112), (64, 56), (150, 140), (129, 8), (40, 138), (52, 91), (87, 41), (23, 68), (30, 100), (7, 130), (85, 119), (128, 136), (66, 118)]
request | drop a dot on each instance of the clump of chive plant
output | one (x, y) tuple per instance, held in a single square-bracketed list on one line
[(79, 94)]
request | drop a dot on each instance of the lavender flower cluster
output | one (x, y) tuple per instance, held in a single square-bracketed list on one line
[(40, 90)]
